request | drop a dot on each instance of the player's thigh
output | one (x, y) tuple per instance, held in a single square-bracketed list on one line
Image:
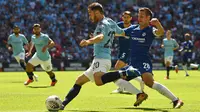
[(46, 65), (82, 79), (148, 79), (34, 60), (168, 60), (20, 56), (98, 65), (119, 64)]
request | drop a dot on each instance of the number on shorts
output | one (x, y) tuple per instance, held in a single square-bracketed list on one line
[(146, 66), (96, 65)]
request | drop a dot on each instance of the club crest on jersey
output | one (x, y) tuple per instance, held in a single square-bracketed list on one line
[(143, 34)]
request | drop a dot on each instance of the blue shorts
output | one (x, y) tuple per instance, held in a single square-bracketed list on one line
[(142, 64), (123, 56), (187, 58)]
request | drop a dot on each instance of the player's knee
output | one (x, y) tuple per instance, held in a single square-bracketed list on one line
[(98, 81), (167, 64), (21, 61), (148, 80), (29, 67), (81, 80)]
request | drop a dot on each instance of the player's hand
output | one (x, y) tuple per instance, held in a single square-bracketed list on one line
[(91, 35), (28, 54), (9, 48), (154, 22), (44, 48), (84, 43)]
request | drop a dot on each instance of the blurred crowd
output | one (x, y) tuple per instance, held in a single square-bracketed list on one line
[(66, 22)]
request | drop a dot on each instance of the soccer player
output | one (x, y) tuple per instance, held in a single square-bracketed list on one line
[(141, 40), (16, 43), (124, 52), (41, 57), (102, 40), (187, 49), (169, 45)]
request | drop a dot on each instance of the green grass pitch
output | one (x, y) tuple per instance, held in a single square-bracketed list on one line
[(15, 97)]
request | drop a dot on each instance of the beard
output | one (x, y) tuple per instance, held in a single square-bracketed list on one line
[(16, 33)]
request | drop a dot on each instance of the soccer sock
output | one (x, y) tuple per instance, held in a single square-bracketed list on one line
[(168, 69), (22, 64), (185, 68), (52, 76), (127, 86), (139, 79), (171, 67), (110, 76), (30, 75), (164, 91), (72, 94)]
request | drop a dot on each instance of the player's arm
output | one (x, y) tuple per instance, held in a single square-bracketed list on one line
[(159, 31), (30, 46), (96, 39), (177, 46), (9, 47), (49, 45)]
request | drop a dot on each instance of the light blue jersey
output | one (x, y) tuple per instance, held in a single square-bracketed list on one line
[(39, 43), (17, 43), (169, 45), (108, 28)]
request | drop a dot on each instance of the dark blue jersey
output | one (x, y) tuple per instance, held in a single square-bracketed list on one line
[(187, 47), (124, 43), (187, 51), (141, 41)]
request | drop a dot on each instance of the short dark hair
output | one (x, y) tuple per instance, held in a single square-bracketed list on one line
[(96, 6), (127, 13), (15, 26), (147, 11)]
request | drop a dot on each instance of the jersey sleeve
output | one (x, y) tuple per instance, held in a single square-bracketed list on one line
[(101, 29), (25, 41), (9, 40), (47, 39), (154, 31), (175, 43), (128, 31), (118, 30), (32, 40)]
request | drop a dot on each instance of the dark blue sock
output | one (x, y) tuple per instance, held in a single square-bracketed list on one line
[(110, 76), (72, 94), (30, 75), (168, 69), (22, 65)]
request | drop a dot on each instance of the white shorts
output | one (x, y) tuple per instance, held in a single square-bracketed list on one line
[(46, 65), (169, 59), (20, 56), (98, 65)]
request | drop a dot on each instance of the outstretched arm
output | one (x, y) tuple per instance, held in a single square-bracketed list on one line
[(93, 40)]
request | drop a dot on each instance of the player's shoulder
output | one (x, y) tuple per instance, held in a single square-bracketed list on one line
[(121, 23), (21, 35), (44, 35), (107, 21), (165, 39), (11, 35)]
